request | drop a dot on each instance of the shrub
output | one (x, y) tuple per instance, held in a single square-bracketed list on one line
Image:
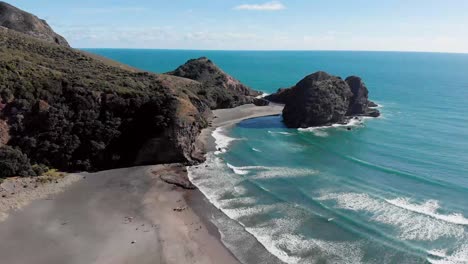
[(14, 162)]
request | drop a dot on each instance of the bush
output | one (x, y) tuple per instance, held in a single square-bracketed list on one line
[(14, 162)]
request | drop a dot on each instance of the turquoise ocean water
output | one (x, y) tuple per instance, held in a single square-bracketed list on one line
[(392, 190)]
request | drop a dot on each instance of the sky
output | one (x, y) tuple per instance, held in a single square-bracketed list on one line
[(374, 25)]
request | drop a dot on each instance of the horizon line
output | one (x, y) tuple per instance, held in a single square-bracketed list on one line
[(276, 50)]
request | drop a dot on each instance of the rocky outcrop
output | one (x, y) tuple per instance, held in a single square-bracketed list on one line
[(359, 102), (24, 22), (316, 100), (322, 99), (219, 89), (260, 102), (281, 96)]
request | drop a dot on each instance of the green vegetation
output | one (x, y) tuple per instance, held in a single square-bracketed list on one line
[(69, 111), (14, 162)]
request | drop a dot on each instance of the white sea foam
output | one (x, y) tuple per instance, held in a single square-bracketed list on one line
[(441, 253), (411, 225), (262, 95), (293, 248), (278, 235), (429, 208), (283, 172), (256, 150), (459, 256), (262, 172), (238, 170), (222, 140), (281, 133), (321, 131)]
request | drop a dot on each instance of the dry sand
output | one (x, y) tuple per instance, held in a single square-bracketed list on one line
[(230, 117), (119, 216)]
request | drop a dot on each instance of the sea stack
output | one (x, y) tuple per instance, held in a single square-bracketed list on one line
[(322, 99)]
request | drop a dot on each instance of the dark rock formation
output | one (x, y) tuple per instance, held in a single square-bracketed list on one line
[(219, 89), (280, 97), (24, 22), (360, 104), (316, 100), (322, 99), (260, 102), (359, 101)]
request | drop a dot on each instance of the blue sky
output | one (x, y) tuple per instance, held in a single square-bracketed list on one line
[(396, 25)]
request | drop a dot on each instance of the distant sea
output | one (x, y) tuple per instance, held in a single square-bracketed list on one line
[(392, 190)]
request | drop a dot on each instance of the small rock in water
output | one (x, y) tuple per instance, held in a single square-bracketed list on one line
[(348, 128)]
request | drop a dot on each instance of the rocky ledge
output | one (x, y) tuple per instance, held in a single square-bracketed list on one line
[(322, 99)]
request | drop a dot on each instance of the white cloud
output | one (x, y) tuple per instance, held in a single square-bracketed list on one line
[(108, 10), (270, 6)]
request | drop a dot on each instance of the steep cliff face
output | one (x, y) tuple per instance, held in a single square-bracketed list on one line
[(64, 109), (360, 104), (322, 99), (24, 22), (219, 89), (316, 100)]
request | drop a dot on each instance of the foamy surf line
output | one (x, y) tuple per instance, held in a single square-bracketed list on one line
[(353, 122), (222, 141), (277, 235), (214, 188), (428, 208), (415, 224)]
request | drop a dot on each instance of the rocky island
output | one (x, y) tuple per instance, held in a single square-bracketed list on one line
[(321, 99)]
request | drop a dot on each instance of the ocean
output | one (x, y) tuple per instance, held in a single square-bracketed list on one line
[(392, 190)]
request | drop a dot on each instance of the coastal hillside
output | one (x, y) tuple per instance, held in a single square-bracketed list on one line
[(220, 89), (24, 22), (65, 109)]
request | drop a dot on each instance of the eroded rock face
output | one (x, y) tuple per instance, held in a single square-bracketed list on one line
[(24, 22), (360, 104), (219, 89), (359, 101), (322, 99), (316, 100), (281, 96), (4, 133)]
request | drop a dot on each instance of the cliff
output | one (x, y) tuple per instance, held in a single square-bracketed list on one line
[(24, 22), (63, 109)]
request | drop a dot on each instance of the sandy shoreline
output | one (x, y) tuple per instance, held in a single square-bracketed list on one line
[(129, 215), (230, 117)]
